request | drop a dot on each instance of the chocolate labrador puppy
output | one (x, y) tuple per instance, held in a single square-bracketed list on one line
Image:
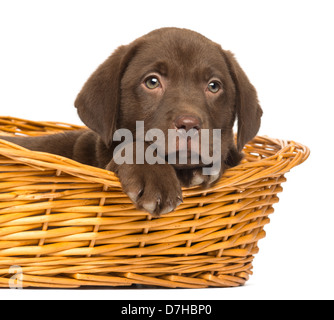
[(170, 79)]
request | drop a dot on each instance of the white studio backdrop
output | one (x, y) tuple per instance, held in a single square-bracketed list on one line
[(48, 49)]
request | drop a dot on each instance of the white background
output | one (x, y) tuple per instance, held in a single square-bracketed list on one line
[(49, 48)]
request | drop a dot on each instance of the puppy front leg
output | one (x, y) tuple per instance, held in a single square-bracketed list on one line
[(154, 188), (60, 143), (196, 177)]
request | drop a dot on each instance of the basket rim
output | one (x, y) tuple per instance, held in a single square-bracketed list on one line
[(288, 155)]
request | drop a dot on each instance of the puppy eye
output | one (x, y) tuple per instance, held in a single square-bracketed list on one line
[(152, 82), (214, 86)]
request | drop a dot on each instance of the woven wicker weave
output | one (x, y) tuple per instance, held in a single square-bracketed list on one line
[(69, 225)]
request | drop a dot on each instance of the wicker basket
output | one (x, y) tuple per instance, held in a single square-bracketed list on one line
[(67, 225)]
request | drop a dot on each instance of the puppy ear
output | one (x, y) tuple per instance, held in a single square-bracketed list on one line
[(99, 99), (248, 109)]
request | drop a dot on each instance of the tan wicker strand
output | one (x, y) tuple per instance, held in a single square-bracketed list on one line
[(67, 225)]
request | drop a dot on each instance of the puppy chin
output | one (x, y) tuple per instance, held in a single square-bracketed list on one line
[(184, 160), (187, 166)]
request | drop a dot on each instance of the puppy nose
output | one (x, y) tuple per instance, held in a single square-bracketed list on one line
[(187, 122)]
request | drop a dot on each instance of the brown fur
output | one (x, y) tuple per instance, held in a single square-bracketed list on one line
[(115, 97)]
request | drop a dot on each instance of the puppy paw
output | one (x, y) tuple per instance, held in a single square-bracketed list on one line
[(152, 188), (195, 177)]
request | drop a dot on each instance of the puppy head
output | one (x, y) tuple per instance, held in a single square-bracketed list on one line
[(171, 78)]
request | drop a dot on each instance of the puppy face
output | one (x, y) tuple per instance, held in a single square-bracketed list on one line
[(178, 80), (171, 79)]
